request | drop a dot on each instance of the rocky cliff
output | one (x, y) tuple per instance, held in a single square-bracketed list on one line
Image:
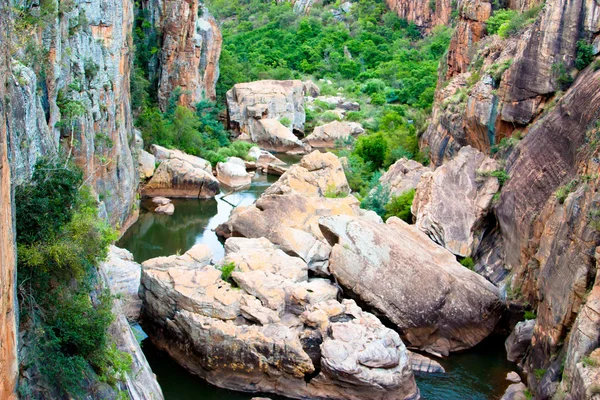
[(190, 46), (425, 14), (512, 97), (8, 319)]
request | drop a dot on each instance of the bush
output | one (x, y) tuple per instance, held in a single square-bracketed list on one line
[(529, 315), (585, 54), (499, 18), (373, 149), (468, 262), (332, 193), (400, 206), (226, 271)]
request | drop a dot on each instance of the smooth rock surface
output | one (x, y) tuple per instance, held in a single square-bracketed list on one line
[(450, 308), (122, 276), (451, 203), (168, 209), (178, 178), (164, 154), (519, 340), (403, 176), (147, 164), (516, 391), (233, 173), (327, 135)]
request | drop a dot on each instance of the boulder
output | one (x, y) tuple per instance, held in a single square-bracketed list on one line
[(339, 102), (291, 222), (273, 169), (163, 154), (519, 340), (168, 209), (233, 173), (327, 135), (263, 157), (272, 332), (271, 134), (452, 202), (178, 178), (516, 391), (513, 377), (311, 89), (147, 164), (122, 276), (403, 176), (249, 103), (317, 174), (438, 305), (425, 365), (160, 201)]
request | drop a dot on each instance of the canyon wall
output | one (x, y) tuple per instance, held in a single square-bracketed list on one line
[(425, 14), (190, 47), (8, 309)]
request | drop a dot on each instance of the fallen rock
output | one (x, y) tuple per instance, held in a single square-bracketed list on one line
[(310, 89), (147, 164), (292, 223), (439, 305), (178, 178), (163, 154), (168, 209), (403, 176), (513, 377), (519, 340), (249, 103), (161, 201), (317, 174), (271, 134), (263, 157), (451, 203), (122, 275), (273, 169), (272, 332), (516, 391), (425, 365), (233, 173), (327, 135)]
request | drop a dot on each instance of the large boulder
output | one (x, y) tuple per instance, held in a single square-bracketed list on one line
[(403, 175), (438, 305), (519, 340), (248, 103), (263, 157), (269, 328), (271, 134), (452, 202), (147, 164), (327, 135), (178, 178), (163, 154), (233, 173), (317, 174)]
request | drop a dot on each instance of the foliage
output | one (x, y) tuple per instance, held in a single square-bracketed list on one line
[(510, 22), (500, 174), (333, 193), (60, 241), (563, 192), (468, 262), (267, 40), (400, 206), (529, 315), (585, 54), (562, 76), (589, 361), (378, 196), (373, 149), (539, 373), (226, 271)]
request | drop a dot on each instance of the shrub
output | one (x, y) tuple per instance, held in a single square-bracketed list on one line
[(589, 361), (563, 192), (539, 373), (499, 18), (285, 121), (373, 149), (585, 54), (529, 315), (377, 197), (227, 270), (468, 262), (332, 193), (562, 76), (400, 206)]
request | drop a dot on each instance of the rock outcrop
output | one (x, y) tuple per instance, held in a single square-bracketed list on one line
[(519, 340), (8, 306), (233, 173), (280, 332), (449, 309), (191, 48), (163, 154), (147, 164), (249, 103), (317, 174), (425, 14), (327, 135), (122, 276), (402, 176), (271, 134), (452, 202), (178, 178)]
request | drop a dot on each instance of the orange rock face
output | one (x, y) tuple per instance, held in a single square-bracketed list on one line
[(425, 14), (190, 52)]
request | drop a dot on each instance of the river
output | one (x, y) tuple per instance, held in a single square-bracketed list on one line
[(477, 374)]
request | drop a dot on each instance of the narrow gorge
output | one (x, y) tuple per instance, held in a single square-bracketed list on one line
[(303, 199)]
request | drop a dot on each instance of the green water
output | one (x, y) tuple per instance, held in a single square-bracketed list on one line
[(478, 374)]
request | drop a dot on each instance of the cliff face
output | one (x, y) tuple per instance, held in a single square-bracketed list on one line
[(8, 318), (503, 96), (190, 50), (70, 90), (425, 14)]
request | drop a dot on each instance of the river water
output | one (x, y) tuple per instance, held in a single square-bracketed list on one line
[(477, 374)]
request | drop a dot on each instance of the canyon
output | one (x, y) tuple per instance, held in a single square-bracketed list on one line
[(511, 186)]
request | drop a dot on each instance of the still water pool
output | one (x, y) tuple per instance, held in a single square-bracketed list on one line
[(477, 374)]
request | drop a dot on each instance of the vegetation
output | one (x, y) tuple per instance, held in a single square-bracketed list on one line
[(333, 193), (506, 22), (468, 262), (60, 242), (585, 54), (589, 361), (539, 373), (563, 192), (529, 315), (400, 206), (226, 271)]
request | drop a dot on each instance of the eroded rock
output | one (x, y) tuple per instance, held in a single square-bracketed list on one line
[(327, 135), (519, 340), (147, 164), (451, 203), (233, 173), (403, 176), (179, 178), (439, 305)]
